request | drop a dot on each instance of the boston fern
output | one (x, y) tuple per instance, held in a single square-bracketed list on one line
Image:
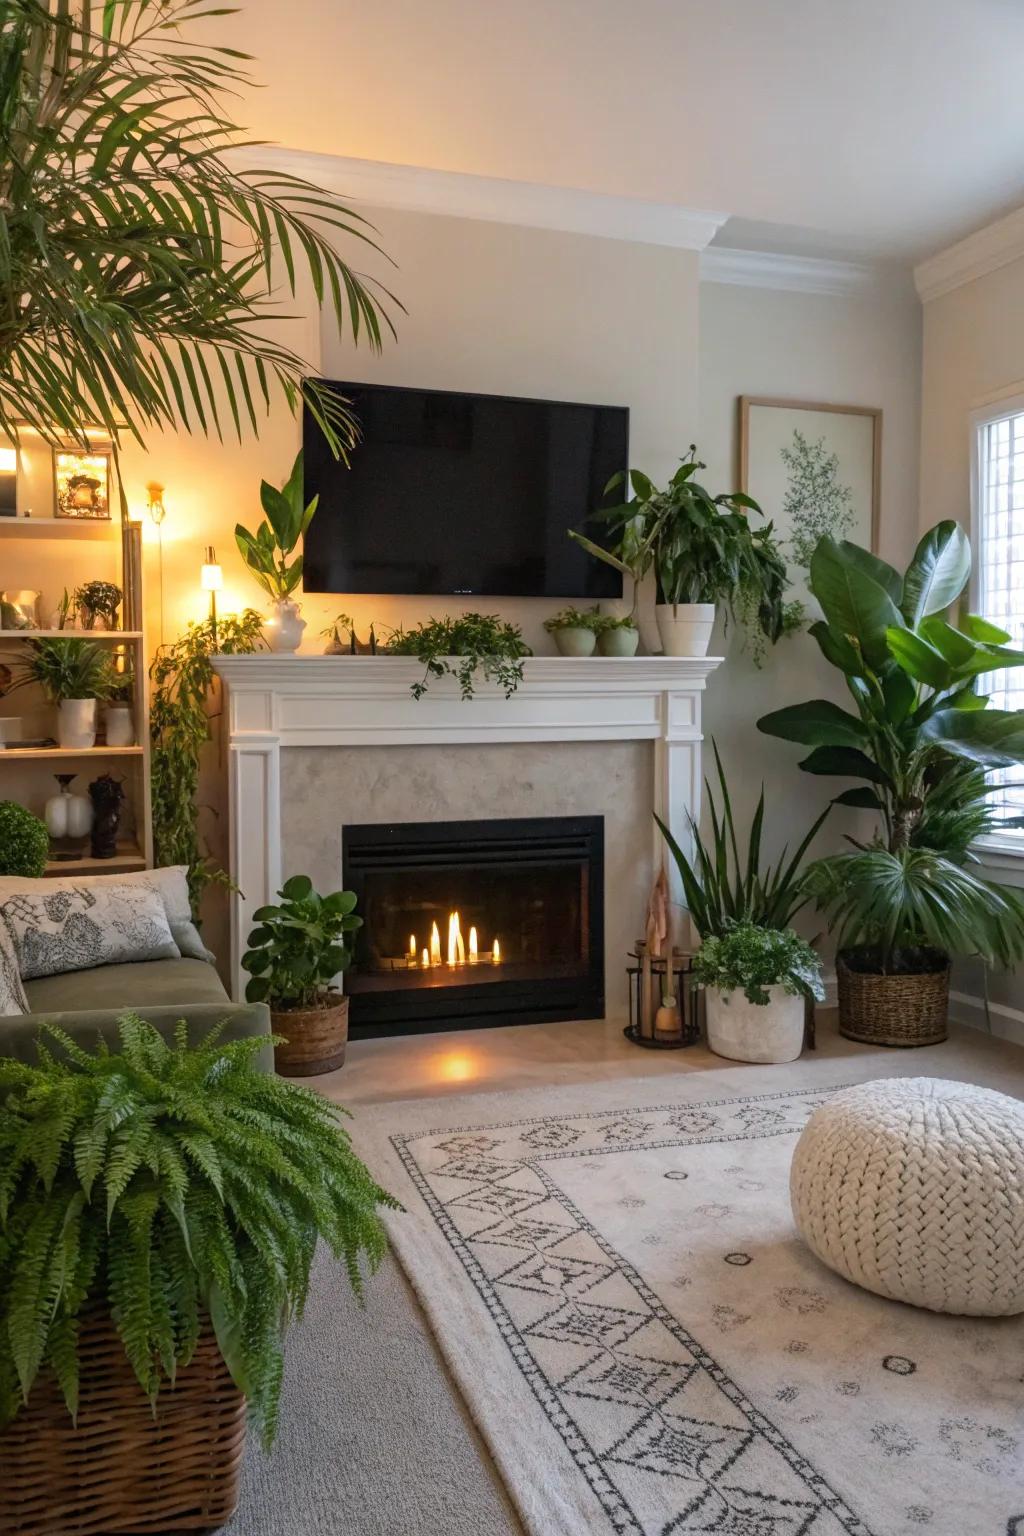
[(463, 647), (169, 1184)]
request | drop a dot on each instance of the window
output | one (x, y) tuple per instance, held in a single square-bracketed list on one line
[(998, 528)]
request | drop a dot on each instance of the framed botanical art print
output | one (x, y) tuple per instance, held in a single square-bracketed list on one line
[(814, 469)]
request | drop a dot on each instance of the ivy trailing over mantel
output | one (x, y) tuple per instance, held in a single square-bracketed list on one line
[(480, 645)]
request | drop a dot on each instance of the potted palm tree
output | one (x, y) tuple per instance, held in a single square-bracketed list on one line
[(160, 1206), (266, 552), (295, 952), (920, 737)]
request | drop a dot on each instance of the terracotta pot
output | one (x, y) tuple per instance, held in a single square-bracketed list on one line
[(314, 1039)]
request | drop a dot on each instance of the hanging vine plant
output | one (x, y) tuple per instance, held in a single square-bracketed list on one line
[(182, 677)]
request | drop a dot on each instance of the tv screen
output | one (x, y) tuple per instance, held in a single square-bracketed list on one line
[(452, 494)]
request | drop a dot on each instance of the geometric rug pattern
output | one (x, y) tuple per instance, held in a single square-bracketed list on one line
[(703, 1372)]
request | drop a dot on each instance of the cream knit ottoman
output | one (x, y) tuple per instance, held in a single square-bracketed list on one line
[(914, 1188)]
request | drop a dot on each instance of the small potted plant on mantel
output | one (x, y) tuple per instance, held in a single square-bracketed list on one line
[(575, 630), (266, 552), (296, 950)]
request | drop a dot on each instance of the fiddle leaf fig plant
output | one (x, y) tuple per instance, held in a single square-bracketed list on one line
[(919, 736), (266, 551), (299, 945)]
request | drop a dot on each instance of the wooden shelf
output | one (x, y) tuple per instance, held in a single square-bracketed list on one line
[(70, 634), (25, 754), (128, 857), (57, 527)]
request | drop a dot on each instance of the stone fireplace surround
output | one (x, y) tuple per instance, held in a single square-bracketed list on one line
[(315, 741)]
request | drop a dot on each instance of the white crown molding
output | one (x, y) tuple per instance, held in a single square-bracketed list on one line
[(497, 201), (799, 274), (985, 251)]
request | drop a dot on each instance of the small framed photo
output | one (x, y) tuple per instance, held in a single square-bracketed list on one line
[(813, 469), (82, 483)]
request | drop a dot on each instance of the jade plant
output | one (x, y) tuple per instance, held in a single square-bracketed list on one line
[(24, 841), (179, 1188)]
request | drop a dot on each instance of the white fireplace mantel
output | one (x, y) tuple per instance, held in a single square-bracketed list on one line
[(349, 701)]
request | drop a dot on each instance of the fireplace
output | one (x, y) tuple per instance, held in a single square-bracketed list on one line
[(476, 923)]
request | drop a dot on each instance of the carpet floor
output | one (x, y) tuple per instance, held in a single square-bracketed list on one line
[(377, 1438)]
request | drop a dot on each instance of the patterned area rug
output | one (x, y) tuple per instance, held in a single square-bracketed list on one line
[(649, 1349)]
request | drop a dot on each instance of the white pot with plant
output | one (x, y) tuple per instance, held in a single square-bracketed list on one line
[(575, 631), (266, 553), (756, 982), (73, 675), (704, 552)]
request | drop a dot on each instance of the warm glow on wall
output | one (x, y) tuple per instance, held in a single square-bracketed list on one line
[(8, 461)]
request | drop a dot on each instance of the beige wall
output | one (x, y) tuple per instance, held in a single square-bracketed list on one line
[(861, 350)]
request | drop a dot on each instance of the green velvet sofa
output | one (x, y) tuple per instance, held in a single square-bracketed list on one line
[(87, 1005)]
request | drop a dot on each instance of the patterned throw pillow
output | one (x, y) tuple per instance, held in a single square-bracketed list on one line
[(76, 927), (171, 882), (12, 994)]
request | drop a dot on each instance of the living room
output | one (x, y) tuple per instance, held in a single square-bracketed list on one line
[(510, 841)]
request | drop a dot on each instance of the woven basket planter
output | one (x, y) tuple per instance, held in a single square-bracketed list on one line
[(314, 1039), (901, 1009), (124, 1468)]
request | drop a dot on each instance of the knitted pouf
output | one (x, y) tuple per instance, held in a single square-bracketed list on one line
[(914, 1188)]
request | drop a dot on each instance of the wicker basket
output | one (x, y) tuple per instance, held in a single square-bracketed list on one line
[(124, 1468), (312, 1040), (905, 1009)]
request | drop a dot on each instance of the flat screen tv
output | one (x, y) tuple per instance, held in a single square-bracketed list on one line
[(463, 494)]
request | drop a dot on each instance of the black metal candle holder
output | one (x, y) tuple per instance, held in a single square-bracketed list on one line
[(683, 990)]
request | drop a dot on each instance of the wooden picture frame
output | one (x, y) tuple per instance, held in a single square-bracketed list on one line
[(805, 469)]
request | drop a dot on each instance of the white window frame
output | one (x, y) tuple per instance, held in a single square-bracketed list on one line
[(1002, 853)]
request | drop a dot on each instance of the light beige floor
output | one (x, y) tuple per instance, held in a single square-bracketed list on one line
[(404, 1459)]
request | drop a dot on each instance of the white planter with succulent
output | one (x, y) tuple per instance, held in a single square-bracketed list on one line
[(266, 552), (757, 981)]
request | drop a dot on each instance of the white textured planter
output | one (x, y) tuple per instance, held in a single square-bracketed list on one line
[(618, 642), (575, 642), (76, 724), (120, 726), (745, 1031), (283, 629), (685, 628)]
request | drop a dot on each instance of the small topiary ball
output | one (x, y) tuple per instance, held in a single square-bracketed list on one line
[(24, 841)]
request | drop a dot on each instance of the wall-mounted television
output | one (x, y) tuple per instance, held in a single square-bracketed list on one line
[(457, 494)]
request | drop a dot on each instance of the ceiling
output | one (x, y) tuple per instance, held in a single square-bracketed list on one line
[(882, 128)]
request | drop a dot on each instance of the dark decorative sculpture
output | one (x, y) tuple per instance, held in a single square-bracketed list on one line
[(108, 797)]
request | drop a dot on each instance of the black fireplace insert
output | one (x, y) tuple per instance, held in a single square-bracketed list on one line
[(476, 923)]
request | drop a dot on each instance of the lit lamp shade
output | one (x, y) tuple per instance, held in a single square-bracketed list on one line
[(211, 577)]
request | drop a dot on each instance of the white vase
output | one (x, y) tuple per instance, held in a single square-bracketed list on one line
[(67, 815), (746, 1031), (120, 725), (685, 628), (76, 724), (284, 628)]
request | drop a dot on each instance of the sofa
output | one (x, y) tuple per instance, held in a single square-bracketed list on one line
[(87, 1002)]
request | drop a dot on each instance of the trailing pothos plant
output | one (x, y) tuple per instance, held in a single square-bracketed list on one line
[(266, 551), (176, 1187), (472, 645), (182, 677), (703, 548), (921, 737)]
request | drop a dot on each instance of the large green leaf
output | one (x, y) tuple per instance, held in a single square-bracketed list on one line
[(880, 571), (818, 723), (844, 762), (836, 649), (978, 628), (853, 602), (992, 737), (918, 659), (938, 572)]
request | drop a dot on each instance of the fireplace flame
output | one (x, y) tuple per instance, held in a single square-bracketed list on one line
[(456, 948), (435, 945), (456, 953)]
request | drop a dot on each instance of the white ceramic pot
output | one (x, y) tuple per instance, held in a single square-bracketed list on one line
[(284, 628), (618, 642), (685, 628), (745, 1031), (120, 725), (575, 642), (76, 724)]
